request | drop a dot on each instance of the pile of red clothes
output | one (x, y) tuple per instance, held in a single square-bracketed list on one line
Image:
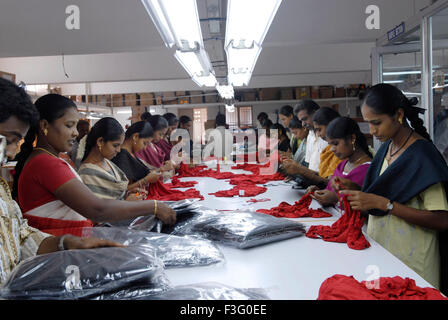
[(248, 190), (340, 287), (176, 183), (157, 191), (348, 228), (300, 209)]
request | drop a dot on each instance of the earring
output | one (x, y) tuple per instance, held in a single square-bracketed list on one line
[(353, 144), (45, 131), (99, 147), (400, 120)]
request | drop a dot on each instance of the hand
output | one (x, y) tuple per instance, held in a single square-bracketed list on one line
[(285, 155), (165, 213), (137, 196), (325, 197), (152, 177), (365, 201), (311, 189), (339, 183), (291, 167), (72, 242)]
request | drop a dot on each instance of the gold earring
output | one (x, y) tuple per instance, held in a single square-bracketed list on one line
[(99, 147), (45, 131), (400, 120)]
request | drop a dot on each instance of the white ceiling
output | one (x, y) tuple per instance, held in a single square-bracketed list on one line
[(30, 28)]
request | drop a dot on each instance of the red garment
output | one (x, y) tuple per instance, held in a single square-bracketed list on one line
[(256, 179), (250, 190), (176, 183), (157, 191), (258, 200), (57, 227), (340, 287), (300, 209), (40, 178), (347, 229)]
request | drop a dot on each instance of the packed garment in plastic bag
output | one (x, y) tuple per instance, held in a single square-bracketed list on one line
[(199, 291), (174, 251), (240, 229), (84, 274)]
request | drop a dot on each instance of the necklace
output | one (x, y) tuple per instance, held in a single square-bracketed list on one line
[(391, 154), (45, 150), (351, 165)]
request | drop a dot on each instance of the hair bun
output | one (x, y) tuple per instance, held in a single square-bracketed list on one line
[(413, 101)]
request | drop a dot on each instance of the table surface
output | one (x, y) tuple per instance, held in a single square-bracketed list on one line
[(289, 269)]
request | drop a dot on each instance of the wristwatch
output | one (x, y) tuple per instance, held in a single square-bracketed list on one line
[(390, 206), (61, 246)]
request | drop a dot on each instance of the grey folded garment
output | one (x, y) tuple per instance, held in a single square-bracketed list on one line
[(240, 229), (200, 291), (83, 274), (173, 250)]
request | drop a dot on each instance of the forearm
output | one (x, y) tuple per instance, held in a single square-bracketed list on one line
[(312, 175), (49, 245), (434, 220), (117, 210)]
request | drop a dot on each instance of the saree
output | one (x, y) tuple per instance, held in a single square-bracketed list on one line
[(356, 175), (328, 162), (104, 184), (152, 155), (133, 167)]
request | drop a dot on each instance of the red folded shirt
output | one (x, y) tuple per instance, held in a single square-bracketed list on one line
[(157, 191), (348, 228), (299, 209), (258, 200), (250, 190), (340, 287), (176, 183)]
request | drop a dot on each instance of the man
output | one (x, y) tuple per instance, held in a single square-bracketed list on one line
[(314, 145), (18, 241), (75, 154)]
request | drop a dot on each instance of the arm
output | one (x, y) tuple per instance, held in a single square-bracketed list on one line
[(79, 198), (293, 167), (435, 220), (50, 244)]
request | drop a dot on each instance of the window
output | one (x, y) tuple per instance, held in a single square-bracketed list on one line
[(232, 119), (199, 118), (240, 118)]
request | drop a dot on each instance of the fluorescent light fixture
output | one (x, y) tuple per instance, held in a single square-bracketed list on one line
[(247, 24), (394, 81), (177, 22), (226, 92), (230, 108), (124, 112), (196, 63), (205, 81), (93, 118), (399, 73)]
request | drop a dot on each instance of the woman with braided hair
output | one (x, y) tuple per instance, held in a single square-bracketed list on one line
[(404, 190)]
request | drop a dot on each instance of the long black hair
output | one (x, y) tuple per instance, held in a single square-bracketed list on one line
[(183, 120), (107, 128), (387, 99), (345, 128), (158, 122), (287, 111), (143, 128), (50, 107), (171, 118), (325, 115)]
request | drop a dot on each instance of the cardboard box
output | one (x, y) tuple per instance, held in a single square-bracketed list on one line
[(326, 92), (303, 93), (267, 94), (117, 100), (104, 100), (339, 92), (130, 99), (286, 94), (196, 97), (315, 92), (145, 99), (8, 76), (211, 97), (249, 96), (169, 97)]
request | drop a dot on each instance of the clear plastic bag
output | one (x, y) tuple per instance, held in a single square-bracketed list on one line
[(174, 251), (84, 274), (200, 291), (240, 229)]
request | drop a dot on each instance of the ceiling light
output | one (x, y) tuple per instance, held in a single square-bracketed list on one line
[(124, 112), (399, 73), (230, 108), (247, 25), (205, 81), (226, 92)]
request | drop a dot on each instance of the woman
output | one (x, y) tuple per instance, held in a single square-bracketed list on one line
[(283, 140), (404, 191), (50, 193), (300, 133), (99, 174), (152, 154), (285, 114), (136, 138), (349, 144), (265, 143), (328, 160), (165, 143)]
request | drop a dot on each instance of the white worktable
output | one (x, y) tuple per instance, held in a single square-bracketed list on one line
[(289, 269)]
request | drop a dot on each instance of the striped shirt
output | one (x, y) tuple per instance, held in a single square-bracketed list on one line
[(18, 241)]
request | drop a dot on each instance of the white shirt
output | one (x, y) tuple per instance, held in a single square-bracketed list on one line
[(220, 142), (314, 146)]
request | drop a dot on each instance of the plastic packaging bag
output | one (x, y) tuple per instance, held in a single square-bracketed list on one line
[(174, 251), (240, 229), (200, 291), (83, 274)]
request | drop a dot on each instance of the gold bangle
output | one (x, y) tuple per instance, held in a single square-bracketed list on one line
[(155, 207)]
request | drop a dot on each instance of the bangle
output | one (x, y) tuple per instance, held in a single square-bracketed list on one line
[(61, 246), (155, 207)]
